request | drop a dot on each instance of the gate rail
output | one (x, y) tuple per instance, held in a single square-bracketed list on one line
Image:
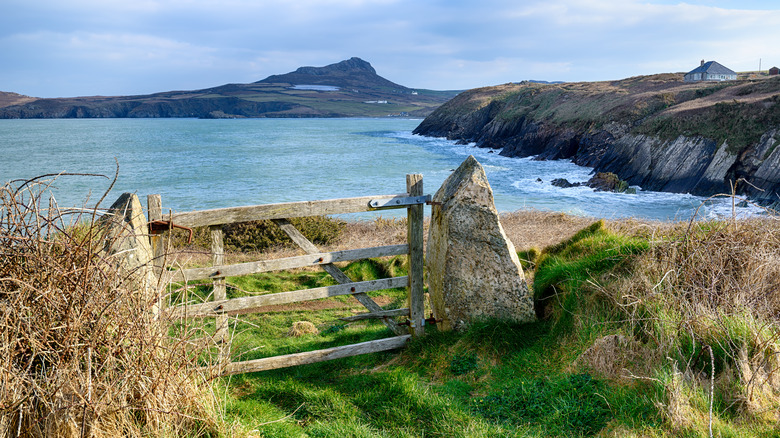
[(221, 307)]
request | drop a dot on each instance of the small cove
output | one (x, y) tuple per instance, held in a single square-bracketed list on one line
[(199, 164)]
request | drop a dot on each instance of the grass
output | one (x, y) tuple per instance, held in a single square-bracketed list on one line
[(645, 329), (735, 112), (738, 123), (611, 357)]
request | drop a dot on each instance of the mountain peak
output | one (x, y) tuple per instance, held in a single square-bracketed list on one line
[(351, 65), (351, 73)]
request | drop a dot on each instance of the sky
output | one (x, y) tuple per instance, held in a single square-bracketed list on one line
[(125, 47)]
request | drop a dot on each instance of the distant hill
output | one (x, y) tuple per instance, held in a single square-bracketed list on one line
[(352, 73), (8, 99), (349, 88)]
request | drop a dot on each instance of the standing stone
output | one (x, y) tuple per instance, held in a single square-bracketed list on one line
[(473, 269), (127, 242)]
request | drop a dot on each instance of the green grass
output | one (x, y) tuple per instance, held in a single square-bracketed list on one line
[(564, 269), (740, 124), (637, 103), (497, 378), (445, 385)]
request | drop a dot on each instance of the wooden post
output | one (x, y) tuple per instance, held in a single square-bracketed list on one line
[(220, 293), (154, 210), (414, 223)]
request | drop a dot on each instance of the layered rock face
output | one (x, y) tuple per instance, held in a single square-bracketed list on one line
[(473, 268), (595, 128)]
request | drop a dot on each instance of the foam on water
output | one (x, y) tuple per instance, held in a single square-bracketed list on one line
[(197, 164), (526, 183)]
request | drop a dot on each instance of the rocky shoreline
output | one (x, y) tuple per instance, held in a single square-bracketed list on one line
[(614, 143)]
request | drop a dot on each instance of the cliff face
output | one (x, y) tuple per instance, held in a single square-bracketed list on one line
[(656, 132), (151, 108)]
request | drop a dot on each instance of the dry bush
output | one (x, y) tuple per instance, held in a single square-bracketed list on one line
[(708, 295), (723, 266), (81, 353)]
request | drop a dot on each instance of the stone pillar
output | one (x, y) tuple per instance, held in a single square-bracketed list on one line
[(128, 245), (473, 269)]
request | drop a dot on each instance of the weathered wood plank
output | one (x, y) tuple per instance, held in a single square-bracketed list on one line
[(336, 273), (220, 293), (314, 259), (154, 210), (221, 216), (270, 363), (414, 185), (245, 304), (377, 315)]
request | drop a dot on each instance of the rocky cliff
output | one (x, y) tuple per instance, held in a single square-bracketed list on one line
[(657, 132)]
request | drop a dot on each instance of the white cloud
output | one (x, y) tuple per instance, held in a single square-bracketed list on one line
[(149, 45)]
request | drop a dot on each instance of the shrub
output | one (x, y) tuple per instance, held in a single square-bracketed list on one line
[(80, 352), (698, 303), (261, 235), (714, 303)]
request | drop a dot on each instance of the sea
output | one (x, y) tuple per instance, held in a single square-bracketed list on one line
[(197, 164)]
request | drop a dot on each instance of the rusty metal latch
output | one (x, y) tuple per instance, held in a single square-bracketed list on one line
[(431, 320), (426, 321), (160, 226)]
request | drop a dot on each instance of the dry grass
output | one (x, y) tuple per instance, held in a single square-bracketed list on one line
[(8, 99), (528, 229), (300, 328), (706, 299), (81, 353)]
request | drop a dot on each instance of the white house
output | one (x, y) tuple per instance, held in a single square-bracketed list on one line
[(710, 71)]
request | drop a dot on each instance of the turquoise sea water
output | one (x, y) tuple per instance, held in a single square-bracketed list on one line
[(198, 164)]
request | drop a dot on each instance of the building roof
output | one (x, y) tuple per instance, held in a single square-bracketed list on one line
[(713, 68)]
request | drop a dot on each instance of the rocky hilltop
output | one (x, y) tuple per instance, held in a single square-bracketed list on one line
[(352, 73), (349, 88), (657, 132)]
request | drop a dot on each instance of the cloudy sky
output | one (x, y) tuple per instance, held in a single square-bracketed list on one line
[(60, 48)]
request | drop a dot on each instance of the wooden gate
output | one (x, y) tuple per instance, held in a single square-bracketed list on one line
[(221, 307)]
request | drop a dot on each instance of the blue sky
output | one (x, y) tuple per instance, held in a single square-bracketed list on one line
[(107, 47)]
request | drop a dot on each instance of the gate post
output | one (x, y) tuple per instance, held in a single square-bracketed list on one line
[(154, 210), (414, 224), (220, 293)]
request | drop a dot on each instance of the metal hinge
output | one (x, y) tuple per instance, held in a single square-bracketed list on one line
[(399, 201)]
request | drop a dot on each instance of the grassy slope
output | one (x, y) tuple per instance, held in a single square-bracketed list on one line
[(502, 379), (662, 105), (8, 99)]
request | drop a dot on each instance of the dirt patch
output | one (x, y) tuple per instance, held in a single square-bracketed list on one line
[(528, 229)]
